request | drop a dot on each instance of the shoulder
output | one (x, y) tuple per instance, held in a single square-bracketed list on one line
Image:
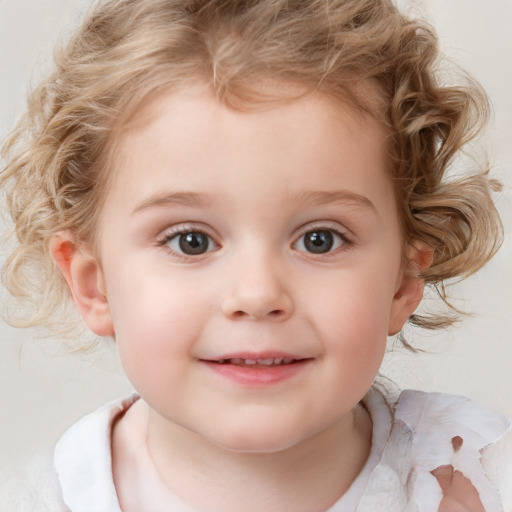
[(440, 453), (459, 450), (83, 462), (421, 411), (461, 443)]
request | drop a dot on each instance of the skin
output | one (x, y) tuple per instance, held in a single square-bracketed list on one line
[(257, 184), (459, 494)]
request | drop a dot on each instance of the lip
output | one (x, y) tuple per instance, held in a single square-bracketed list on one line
[(257, 375)]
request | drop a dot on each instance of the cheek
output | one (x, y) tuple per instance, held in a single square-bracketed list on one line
[(352, 317), (356, 299), (157, 316), (146, 296)]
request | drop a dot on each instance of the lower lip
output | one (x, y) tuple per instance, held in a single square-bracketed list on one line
[(258, 376)]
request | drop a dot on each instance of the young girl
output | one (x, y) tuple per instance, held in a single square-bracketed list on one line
[(248, 197)]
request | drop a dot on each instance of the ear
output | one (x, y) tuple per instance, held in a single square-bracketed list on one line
[(418, 257), (84, 276)]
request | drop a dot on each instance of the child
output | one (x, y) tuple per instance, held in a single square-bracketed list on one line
[(248, 197)]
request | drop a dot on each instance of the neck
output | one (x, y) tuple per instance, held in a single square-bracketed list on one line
[(209, 477)]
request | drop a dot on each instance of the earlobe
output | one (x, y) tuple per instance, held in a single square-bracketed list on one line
[(84, 276), (410, 288)]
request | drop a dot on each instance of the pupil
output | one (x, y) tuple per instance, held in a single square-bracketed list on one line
[(319, 241), (194, 243)]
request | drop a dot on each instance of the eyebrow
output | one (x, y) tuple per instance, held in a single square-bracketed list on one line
[(312, 198), (317, 198), (169, 199)]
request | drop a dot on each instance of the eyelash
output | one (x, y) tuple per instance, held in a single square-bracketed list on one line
[(175, 233), (345, 242)]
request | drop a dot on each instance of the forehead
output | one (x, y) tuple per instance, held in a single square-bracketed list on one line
[(189, 140), (361, 100)]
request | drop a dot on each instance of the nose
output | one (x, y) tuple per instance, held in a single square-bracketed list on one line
[(257, 290)]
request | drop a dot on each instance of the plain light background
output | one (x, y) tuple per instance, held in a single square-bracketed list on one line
[(43, 389)]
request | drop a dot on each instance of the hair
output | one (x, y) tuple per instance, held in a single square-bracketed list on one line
[(58, 156)]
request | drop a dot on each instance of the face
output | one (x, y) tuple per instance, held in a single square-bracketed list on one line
[(252, 264)]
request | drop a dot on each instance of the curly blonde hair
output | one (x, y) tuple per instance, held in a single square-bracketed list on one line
[(57, 158)]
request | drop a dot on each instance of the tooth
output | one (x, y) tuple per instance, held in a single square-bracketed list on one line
[(222, 361), (267, 362), (250, 361), (278, 360), (287, 360), (237, 361)]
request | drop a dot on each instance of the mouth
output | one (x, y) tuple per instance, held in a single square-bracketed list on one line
[(267, 362), (258, 369)]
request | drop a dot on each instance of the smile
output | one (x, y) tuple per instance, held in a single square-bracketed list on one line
[(263, 371), (270, 361)]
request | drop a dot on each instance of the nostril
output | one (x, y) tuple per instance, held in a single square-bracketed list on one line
[(275, 313), (256, 306)]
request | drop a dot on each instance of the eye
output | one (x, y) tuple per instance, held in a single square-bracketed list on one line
[(190, 243), (320, 241)]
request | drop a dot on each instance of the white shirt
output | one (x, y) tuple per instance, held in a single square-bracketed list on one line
[(412, 436)]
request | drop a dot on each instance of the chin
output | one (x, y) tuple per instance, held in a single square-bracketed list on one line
[(254, 440)]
